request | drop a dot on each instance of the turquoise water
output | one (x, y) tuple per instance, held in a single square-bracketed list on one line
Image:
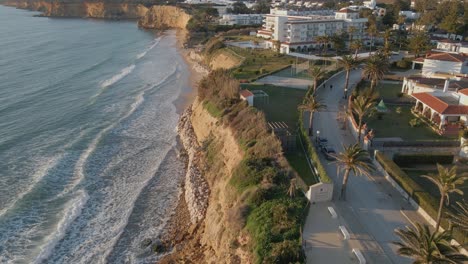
[(88, 164)]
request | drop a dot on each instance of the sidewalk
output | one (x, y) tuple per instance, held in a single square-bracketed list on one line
[(373, 209)]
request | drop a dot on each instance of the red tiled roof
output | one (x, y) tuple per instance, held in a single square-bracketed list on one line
[(245, 93), (440, 106), (420, 59), (448, 57), (464, 91)]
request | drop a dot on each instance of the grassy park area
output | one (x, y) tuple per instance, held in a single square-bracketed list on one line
[(282, 106), (258, 62), (395, 122)]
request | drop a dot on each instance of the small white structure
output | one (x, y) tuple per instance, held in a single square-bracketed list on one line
[(247, 96), (241, 19), (359, 256), (344, 231)]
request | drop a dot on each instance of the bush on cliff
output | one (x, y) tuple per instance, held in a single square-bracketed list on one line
[(262, 207)]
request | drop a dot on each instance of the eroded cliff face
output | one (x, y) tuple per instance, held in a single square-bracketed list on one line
[(163, 17), (90, 9), (216, 154)]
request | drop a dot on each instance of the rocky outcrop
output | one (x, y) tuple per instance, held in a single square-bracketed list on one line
[(196, 187), (90, 9), (163, 17)]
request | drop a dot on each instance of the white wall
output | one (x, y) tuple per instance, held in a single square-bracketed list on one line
[(432, 66)]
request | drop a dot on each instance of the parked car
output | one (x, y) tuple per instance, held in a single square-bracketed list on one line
[(321, 142), (329, 153)]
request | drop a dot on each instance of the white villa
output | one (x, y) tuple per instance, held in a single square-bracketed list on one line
[(297, 30), (448, 111), (443, 64)]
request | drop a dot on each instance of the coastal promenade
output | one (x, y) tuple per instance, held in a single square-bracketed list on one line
[(373, 208)]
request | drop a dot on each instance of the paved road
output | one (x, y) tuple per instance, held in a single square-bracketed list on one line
[(373, 208)]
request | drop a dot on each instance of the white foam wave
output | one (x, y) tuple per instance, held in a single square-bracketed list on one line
[(124, 72), (143, 54), (80, 164), (41, 171), (72, 211)]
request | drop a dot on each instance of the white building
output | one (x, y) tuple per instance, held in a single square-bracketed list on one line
[(445, 63), (452, 46), (299, 30), (241, 19), (410, 14)]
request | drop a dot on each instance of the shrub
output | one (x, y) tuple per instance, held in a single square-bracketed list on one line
[(257, 72), (263, 71), (403, 64), (415, 122), (285, 252), (464, 133), (400, 94), (406, 160)]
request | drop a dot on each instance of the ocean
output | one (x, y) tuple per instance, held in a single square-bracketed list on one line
[(88, 153)]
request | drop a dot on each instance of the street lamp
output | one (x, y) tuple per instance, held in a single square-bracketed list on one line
[(345, 93), (318, 134)]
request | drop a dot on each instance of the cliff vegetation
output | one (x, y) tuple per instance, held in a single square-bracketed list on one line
[(264, 207)]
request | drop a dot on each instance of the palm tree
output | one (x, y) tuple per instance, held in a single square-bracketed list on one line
[(312, 105), (460, 218), (362, 107), (386, 48), (375, 69), (426, 247), (447, 181), (316, 73), (322, 40), (348, 63), (292, 187), (351, 31), (353, 159), (356, 46)]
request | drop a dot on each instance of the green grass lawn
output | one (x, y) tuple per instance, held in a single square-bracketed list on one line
[(259, 60), (282, 106), (397, 125), (427, 185), (298, 162), (389, 90), (282, 103)]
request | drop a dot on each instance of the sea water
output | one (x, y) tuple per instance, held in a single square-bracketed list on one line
[(88, 160)]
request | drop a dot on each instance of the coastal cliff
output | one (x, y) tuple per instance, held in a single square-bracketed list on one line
[(89, 9), (163, 17), (210, 199)]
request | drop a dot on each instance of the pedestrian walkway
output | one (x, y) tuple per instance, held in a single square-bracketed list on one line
[(373, 209)]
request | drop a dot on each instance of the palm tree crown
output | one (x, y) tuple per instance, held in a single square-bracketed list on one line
[(316, 73), (312, 105), (348, 63), (425, 247), (353, 159), (460, 218), (447, 181), (362, 106), (375, 69)]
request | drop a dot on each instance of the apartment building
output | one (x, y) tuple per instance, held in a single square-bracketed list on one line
[(242, 19), (298, 31)]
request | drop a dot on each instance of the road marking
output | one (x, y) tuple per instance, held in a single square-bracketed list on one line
[(407, 217)]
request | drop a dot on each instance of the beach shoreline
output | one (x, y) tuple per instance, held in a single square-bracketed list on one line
[(179, 230), (196, 72)]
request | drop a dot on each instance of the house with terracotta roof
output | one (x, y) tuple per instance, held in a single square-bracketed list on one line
[(445, 63), (448, 111), (248, 96)]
